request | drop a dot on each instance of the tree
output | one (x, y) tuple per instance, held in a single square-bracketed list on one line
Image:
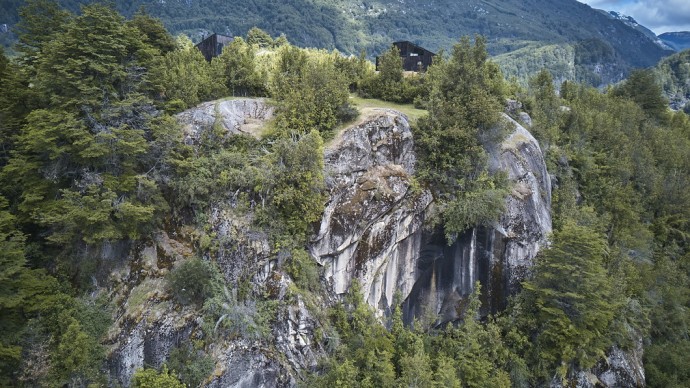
[(259, 37), (195, 281), (154, 31), (298, 189), (12, 269), (182, 78), (242, 76), (568, 303), (40, 20), (150, 378), (467, 95), (82, 171), (390, 74), (546, 111), (313, 94), (476, 350), (642, 87)]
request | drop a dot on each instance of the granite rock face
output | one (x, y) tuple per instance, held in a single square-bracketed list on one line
[(619, 369), (371, 226), (499, 256), (236, 116)]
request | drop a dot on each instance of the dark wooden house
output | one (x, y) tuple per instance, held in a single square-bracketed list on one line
[(414, 58), (213, 45)]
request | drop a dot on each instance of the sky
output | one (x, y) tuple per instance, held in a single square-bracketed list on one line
[(658, 15)]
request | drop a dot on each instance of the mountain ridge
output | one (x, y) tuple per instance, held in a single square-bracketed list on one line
[(371, 26), (679, 40)]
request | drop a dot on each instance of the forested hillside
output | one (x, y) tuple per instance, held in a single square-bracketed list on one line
[(116, 219), (673, 74), (569, 38)]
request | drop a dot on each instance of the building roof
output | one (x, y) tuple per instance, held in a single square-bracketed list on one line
[(412, 44)]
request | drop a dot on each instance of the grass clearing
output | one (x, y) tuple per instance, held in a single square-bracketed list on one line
[(408, 110)]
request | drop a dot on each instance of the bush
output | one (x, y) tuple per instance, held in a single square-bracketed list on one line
[(195, 281), (149, 378), (191, 366), (246, 319), (304, 270)]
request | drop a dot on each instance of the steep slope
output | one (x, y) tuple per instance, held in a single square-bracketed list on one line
[(372, 230), (673, 74), (352, 26), (631, 22)]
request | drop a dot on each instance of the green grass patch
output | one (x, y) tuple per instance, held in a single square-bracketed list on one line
[(408, 110)]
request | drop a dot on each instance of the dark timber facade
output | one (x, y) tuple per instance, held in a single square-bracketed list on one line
[(414, 58), (213, 45)]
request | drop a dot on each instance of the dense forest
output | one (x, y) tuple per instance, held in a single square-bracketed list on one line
[(93, 162)]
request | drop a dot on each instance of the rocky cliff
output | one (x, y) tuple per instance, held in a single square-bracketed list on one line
[(372, 229)]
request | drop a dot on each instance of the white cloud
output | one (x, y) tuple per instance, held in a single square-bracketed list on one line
[(657, 15)]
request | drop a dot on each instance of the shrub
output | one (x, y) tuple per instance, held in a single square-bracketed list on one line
[(304, 270), (195, 281), (149, 378), (192, 366)]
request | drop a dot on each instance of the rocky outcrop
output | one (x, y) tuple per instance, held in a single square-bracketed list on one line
[(372, 230), (619, 369), (147, 326), (371, 226), (499, 256), (236, 116)]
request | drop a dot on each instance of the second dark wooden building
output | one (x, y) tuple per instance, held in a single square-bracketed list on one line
[(414, 58), (213, 45)]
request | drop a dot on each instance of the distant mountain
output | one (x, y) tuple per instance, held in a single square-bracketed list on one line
[(570, 38), (631, 22), (677, 40)]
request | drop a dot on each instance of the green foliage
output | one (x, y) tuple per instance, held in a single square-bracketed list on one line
[(195, 281), (673, 73), (312, 92), (390, 85), (102, 50), (470, 355), (154, 31), (304, 270), (620, 170), (249, 319), (355, 69), (467, 94), (546, 114), (259, 37), (481, 204), (12, 270), (184, 75), (150, 378), (643, 88), (665, 358), (88, 159), (569, 304), (191, 366), (240, 70), (77, 357), (40, 20), (298, 195), (88, 151)]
